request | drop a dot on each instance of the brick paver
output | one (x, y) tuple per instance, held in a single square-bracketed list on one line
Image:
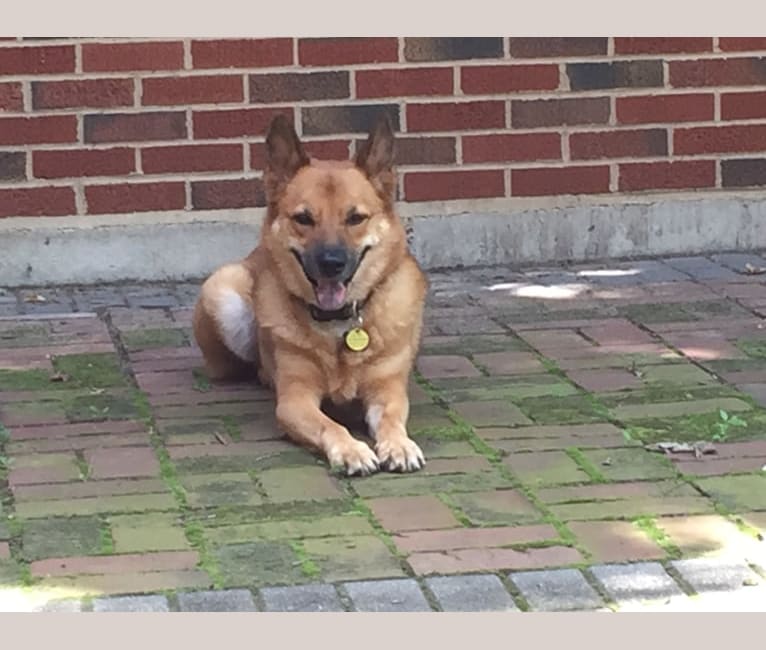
[(126, 474)]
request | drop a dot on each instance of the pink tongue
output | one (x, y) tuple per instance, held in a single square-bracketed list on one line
[(330, 295)]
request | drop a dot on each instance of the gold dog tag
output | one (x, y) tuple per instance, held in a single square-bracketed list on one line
[(357, 339)]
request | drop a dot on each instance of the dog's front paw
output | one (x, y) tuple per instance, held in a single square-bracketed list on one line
[(353, 456), (399, 454)]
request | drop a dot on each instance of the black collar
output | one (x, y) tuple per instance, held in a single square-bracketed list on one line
[(347, 312)]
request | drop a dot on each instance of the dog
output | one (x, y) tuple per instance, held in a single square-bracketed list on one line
[(328, 306)]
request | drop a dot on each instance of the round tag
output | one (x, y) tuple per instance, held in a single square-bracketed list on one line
[(357, 339)]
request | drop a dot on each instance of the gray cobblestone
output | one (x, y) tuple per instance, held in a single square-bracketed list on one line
[(556, 590), (230, 600), (629, 583), (131, 604), (92, 298), (712, 574), (701, 268), (737, 261), (303, 598), (471, 593), (399, 595), (55, 301)]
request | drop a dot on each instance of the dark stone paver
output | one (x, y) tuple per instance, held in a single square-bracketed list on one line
[(387, 596), (557, 590), (302, 598), (131, 604), (471, 593), (230, 600)]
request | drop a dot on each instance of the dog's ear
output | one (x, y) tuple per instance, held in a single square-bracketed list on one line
[(284, 155), (376, 158)]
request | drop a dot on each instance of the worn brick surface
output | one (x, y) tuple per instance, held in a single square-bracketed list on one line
[(96, 515), (412, 513)]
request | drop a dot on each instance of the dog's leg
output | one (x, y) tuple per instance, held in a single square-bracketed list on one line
[(387, 409), (300, 416), (224, 323)]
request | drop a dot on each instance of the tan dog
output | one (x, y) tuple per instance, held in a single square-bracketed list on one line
[(328, 306)]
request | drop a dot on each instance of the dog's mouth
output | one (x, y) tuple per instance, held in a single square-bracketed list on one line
[(330, 293)]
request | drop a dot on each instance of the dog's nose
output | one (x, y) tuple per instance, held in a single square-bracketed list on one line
[(332, 260)]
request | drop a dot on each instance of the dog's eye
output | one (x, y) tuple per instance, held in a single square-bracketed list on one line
[(355, 218), (303, 219)]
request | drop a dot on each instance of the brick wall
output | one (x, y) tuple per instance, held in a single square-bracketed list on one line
[(106, 126)]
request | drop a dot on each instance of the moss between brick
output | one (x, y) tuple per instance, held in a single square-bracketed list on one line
[(61, 537), (574, 409), (91, 370), (153, 338), (691, 428), (258, 564)]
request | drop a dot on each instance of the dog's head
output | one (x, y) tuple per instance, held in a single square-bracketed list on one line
[(331, 228)]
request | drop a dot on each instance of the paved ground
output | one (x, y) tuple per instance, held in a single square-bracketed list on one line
[(128, 481)]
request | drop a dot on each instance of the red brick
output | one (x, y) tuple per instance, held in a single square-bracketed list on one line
[(242, 53), (493, 559), (618, 144), (457, 538), (489, 79), (67, 163), (208, 89), (740, 44), (122, 462), (235, 123), (667, 175), (38, 475), (322, 149), (78, 428), (403, 82), (87, 489), (455, 116), (90, 93), (743, 106), (229, 194), (560, 180), (615, 541), (37, 202), (111, 564), (346, 51), (441, 186), (718, 72), (720, 466), (645, 109), (11, 98), (721, 139), (38, 130), (645, 45), (192, 158), (511, 147), (110, 57), (134, 197), (412, 513), (37, 60), (126, 127)]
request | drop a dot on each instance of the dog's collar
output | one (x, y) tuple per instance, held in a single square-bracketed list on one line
[(347, 312)]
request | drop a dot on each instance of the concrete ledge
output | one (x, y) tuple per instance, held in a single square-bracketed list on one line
[(184, 245)]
